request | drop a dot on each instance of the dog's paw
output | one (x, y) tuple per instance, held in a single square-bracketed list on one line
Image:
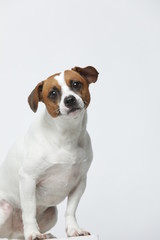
[(40, 236), (75, 232)]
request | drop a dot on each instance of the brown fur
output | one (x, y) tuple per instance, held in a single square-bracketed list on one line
[(52, 106), (40, 93), (35, 97), (70, 75), (89, 73)]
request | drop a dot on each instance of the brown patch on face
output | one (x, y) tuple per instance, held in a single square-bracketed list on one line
[(71, 76), (51, 95)]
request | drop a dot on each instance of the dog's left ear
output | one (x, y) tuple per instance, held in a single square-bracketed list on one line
[(35, 97), (89, 73)]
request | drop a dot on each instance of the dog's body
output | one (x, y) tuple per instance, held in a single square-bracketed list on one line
[(51, 162)]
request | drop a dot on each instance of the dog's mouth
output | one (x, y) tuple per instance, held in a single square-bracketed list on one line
[(71, 110), (74, 109)]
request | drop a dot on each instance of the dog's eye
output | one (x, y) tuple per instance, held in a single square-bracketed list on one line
[(53, 94), (76, 85)]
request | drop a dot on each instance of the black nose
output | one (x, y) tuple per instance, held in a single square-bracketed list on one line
[(70, 101)]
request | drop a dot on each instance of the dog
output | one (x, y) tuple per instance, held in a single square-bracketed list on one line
[(51, 162)]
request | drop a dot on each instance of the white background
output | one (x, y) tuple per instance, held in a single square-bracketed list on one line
[(122, 40)]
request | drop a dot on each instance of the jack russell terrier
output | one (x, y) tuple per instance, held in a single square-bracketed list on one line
[(51, 162)]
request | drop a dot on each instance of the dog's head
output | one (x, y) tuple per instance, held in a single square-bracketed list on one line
[(65, 93)]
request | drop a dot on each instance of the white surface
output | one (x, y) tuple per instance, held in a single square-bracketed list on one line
[(121, 39), (92, 237)]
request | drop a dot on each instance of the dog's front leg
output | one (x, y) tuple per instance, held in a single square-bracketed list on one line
[(72, 228), (28, 205)]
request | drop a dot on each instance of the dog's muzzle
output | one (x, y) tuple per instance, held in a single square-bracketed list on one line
[(71, 103)]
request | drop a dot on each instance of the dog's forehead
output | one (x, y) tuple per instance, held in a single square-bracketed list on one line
[(64, 77), (51, 82), (60, 79)]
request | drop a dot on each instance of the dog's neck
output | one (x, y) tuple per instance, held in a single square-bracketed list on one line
[(67, 127)]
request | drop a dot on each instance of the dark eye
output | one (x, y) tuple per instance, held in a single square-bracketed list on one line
[(53, 94), (76, 85)]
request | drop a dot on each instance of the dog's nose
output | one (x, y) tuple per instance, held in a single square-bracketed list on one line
[(70, 101)]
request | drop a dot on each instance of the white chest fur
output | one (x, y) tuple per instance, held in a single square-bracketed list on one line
[(66, 159), (58, 181)]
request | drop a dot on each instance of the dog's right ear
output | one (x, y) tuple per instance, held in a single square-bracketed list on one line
[(35, 97)]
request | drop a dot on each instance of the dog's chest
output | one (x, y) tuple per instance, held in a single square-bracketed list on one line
[(60, 178)]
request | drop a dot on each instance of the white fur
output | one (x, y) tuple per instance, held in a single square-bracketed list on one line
[(49, 164)]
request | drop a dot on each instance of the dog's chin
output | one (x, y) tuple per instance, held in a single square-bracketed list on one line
[(73, 113)]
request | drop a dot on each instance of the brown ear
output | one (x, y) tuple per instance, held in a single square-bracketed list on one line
[(89, 73), (35, 97)]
